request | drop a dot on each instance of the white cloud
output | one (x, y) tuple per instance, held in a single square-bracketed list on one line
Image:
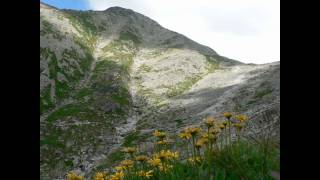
[(245, 30)]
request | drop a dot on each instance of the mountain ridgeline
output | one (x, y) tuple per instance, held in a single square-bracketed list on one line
[(109, 78)]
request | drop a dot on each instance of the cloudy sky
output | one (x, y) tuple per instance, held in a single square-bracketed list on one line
[(245, 30)]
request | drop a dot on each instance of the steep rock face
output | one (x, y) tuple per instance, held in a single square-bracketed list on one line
[(108, 78)]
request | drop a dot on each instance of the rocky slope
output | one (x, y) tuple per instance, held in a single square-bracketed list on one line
[(109, 78)]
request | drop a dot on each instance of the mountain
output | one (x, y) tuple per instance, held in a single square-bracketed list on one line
[(109, 78)]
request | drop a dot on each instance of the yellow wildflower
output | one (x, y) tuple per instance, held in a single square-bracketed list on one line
[(239, 126), (175, 155), (163, 142), (127, 163), (208, 136), (129, 150), (146, 174), (242, 118), (222, 126), (141, 158), (227, 115), (100, 176), (166, 155), (198, 145), (117, 176), (204, 140), (204, 135), (165, 167), (214, 131), (185, 135), (193, 130), (159, 134), (120, 168), (74, 176), (210, 121), (194, 160), (154, 161)]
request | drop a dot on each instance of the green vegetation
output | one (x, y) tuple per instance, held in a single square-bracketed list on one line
[(69, 163), (82, 20), (211, 66), (73, 59), (52, 141), (72, 54), (120, 99), (145, 68), (83, 93), (131, 139), (183, 86), (260, 94), (179, 122), (80, 110), (45, 100), (63, 90), (68, 110), (127, 36), (48, 28), (83, 23), (248, 160), (116, 156), (122, 51)]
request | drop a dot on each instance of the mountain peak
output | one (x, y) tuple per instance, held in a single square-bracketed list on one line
[(119, 9)]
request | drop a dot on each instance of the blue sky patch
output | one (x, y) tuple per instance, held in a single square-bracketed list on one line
[(68, 4)]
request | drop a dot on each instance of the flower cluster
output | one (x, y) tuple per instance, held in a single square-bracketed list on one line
[(204, 143), (74, 176), (146, 174), (161, 138), (100, 176)]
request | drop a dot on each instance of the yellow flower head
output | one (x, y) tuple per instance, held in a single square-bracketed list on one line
[(194, 160), (165, 167), (163, 142), (129, 150), (175, 155), (209, 121), (222, 126), (193, 130), (74, 176), (120, 168), (204, 135), (239, 126), (185, 135), (198, 145), (127, 163), (141, 158), (204, 140), (159, 134), (166, 155), (146, 174), (154, 161), (100, 176), (117, 176), (242, 118), (227, 115), (214, 131)]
